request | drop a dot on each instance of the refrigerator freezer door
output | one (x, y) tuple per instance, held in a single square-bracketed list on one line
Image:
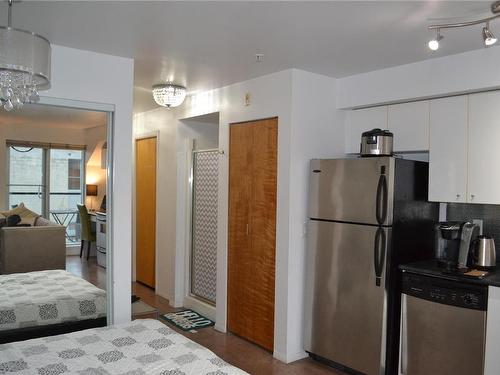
[(352, 190), (345, 306)]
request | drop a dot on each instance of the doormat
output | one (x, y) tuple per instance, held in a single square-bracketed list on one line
[(187, 320)]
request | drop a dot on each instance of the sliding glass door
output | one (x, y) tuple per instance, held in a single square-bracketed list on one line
[(48, 181), (65, 189), (27, 178)]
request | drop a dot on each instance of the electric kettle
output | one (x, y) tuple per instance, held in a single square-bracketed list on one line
[(483, 252)]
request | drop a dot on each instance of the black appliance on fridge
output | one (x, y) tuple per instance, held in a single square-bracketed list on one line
[(367, 216)]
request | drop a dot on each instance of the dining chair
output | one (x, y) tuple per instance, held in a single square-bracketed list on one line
[(86, 229)]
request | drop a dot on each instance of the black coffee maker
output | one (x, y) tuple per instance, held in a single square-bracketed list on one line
[(453, 242)]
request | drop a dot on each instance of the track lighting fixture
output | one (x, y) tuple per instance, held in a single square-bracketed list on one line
[(434, 43), (488, 37)]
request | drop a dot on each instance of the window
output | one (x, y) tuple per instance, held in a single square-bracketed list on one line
[(74, 174)]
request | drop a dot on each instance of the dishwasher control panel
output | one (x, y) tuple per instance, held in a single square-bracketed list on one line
[(448, 292)]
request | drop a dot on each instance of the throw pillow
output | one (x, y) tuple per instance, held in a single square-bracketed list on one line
[(28, 217)]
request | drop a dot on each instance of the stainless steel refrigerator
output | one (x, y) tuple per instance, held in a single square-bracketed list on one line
[(367, 216)]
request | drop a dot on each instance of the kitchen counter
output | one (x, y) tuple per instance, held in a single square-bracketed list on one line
[(431, 268)]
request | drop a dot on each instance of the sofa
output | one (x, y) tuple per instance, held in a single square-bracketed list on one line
[(32, 248)]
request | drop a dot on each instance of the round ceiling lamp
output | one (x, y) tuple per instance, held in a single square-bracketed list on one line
[(169, 95), (24, 65)]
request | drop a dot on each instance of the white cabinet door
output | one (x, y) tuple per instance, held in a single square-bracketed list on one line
[(361, 120), (448, 150), (484, 152), (410, 124)]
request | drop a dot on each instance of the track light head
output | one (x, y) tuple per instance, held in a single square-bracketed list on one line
[(488, 37), (434, 43)]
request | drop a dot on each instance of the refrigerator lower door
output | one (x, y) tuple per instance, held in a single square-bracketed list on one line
[(345, 304), (352, 190)]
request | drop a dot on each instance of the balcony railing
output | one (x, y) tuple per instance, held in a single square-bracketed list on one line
[(61, 206)]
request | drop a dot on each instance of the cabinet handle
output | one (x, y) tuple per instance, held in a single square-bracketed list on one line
[(247, 230), (458, 196), (472, 196)]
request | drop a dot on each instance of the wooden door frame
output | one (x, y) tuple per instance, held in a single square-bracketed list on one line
[(148, 135)]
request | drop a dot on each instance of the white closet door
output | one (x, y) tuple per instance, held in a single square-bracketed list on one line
[(362, 120), (410, 124), (448, 149), (484, 152)]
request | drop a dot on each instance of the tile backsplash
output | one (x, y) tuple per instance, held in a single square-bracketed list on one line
[(489, 213)]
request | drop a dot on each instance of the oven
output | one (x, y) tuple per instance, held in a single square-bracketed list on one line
[(101, 238)]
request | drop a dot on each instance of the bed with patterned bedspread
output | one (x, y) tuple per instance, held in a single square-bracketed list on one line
[(46, 298), (140, 347)]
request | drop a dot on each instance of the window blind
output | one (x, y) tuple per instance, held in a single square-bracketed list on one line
[(59, 146)]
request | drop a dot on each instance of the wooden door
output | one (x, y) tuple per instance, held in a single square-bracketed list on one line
[(252, 230), (145, 198)]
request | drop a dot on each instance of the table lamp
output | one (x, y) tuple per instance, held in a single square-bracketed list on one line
[(91, 191)]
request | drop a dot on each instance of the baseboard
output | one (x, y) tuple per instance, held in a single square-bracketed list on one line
[(72, 250), (291, 357), (220, 328), (200, 307)]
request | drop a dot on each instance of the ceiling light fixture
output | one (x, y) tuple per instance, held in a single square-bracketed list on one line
[(488, 37), (24, 65), (434, 43), (169, 95)]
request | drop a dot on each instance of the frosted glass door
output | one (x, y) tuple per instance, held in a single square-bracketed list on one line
[(204, 225)]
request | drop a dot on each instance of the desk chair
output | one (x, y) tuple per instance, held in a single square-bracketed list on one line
[(86, 229)]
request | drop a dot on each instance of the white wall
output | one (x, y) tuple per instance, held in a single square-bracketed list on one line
[(161, 122), (317, 132), (270, 97), (95, 175), (309, 126), (466, 72), (99, 78)]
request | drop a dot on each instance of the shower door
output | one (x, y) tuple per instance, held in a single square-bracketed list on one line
[(205, 175)]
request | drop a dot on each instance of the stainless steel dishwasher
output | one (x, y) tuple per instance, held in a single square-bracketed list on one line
[(443, 326)]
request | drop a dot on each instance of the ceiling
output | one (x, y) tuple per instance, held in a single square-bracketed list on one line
[(205, 45), (49, 116)]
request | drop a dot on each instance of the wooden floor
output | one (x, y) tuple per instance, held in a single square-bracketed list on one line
[(232, 349)]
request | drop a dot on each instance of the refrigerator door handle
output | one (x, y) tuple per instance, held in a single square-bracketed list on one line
[(381, 200), (379, 254)]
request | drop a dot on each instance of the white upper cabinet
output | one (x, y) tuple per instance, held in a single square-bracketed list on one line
[(410, 124), (484, 152), (448, 150), (361, 120)]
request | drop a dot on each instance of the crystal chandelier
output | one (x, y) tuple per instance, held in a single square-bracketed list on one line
[(169, 95), (24, 65)]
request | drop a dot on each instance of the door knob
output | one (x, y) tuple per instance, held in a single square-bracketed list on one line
[(458, 196), (472, 196)]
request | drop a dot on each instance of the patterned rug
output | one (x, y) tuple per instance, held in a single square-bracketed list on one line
[(187, 320)]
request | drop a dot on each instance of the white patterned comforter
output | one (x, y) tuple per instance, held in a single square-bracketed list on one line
[(137, 348), (47, 297)]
